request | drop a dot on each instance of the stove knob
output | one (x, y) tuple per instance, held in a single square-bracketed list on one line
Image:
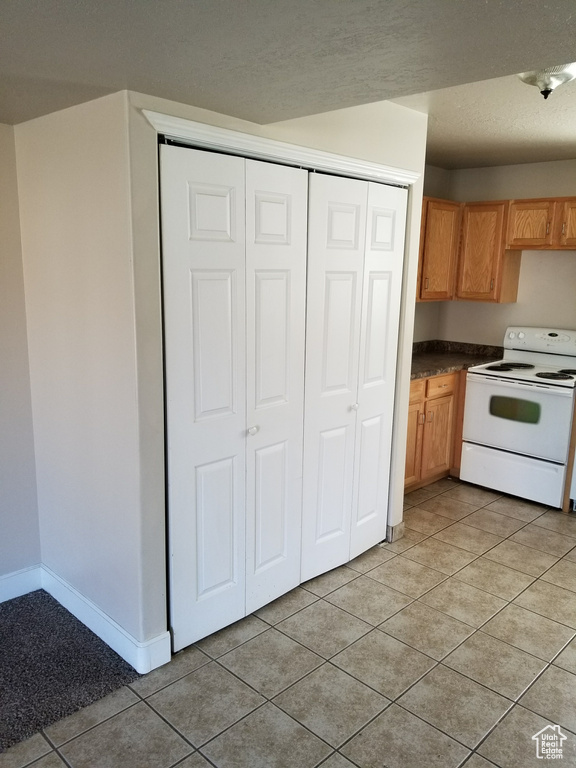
[(521, 335), (511, 335)]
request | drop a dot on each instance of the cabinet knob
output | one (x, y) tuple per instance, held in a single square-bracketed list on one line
[(354, 406), (563, 228), (253, 430)]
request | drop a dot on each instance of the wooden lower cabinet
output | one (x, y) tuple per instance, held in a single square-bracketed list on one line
[(415, 427), (432, 427), (437, 437)]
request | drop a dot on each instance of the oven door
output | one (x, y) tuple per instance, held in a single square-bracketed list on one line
[(529, 419)]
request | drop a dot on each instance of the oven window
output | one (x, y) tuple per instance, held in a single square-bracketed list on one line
[(515, 409)]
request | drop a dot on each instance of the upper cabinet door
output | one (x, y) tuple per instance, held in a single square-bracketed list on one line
[(439, 249), (482, 251), (566, 213), (530, 223)]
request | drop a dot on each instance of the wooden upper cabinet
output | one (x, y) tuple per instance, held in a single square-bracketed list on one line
[(566, 227), (472, 251), (486, 272), (542, 224), (530, 223), (438, 249)]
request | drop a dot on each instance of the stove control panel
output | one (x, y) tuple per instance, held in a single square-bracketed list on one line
[(553, 340)]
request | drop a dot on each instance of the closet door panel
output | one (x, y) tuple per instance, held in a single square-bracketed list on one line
[(216, 566), (271, 337), (212, 299), (370, 452), (338, 353), (337, 216), (204, 273), (332, 518), (276, 232), (383, 265)]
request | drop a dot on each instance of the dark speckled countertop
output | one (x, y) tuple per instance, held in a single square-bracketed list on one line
[(430, 358)]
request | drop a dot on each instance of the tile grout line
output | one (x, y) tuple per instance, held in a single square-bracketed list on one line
[(58, 747), (261, 706), (548, 663), (437, 663), (506, 538), (329, 659), (309, 673)]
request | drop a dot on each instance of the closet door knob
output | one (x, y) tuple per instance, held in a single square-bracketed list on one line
[(354, 406), (253, 430)]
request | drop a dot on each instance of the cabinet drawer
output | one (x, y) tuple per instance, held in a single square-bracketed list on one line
[(441, 385), (417, 389)]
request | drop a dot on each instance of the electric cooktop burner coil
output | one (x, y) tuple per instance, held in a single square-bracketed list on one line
[(557, 375), (506, 366)]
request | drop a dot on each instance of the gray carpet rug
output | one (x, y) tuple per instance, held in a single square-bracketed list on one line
[(51, 665)]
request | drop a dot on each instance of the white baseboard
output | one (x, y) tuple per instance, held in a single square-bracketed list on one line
[(143, 656), (19, 583)]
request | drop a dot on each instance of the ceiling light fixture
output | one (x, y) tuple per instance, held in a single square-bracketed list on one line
[(546, 80)]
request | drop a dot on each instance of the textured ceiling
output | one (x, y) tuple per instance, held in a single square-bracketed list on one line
[(270, 60), (497, 122)]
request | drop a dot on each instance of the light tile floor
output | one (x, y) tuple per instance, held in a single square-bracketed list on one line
[(453, 646)]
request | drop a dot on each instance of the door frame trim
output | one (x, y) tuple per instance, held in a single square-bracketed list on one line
[(206, 136)]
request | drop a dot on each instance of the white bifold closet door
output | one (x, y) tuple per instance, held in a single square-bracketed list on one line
[(355, 261), (234, 273)]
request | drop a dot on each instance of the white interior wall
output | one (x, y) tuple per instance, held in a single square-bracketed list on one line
[(545, 298), (73, 176), (504, 182), (547, 278), (19, 531), (427, 315), (438, 182)]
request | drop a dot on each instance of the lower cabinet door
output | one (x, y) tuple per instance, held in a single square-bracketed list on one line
[(437, 438), (414, 443)]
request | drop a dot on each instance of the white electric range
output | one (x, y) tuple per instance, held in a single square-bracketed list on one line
[(518, 416)]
